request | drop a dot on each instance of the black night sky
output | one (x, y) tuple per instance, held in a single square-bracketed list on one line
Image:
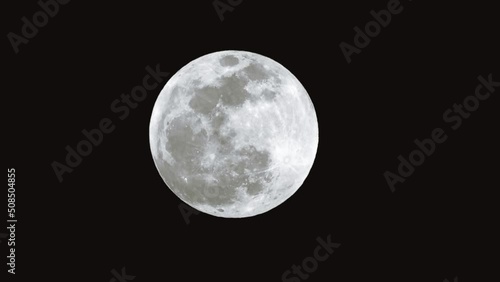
[(402, 187)]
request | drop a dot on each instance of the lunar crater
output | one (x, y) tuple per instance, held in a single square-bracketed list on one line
[(233, 134)]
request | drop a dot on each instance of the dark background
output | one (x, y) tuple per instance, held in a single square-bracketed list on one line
[(114, 210)]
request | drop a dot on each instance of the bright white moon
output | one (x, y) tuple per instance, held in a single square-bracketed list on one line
[(233, 134)]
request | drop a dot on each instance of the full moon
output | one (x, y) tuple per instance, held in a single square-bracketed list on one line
[(233, 134)]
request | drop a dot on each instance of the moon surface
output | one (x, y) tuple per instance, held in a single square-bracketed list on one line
[(233, 134)]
